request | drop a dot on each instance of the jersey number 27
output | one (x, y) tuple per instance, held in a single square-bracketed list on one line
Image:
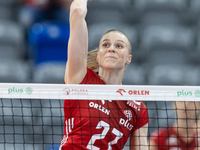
[(95, 137)]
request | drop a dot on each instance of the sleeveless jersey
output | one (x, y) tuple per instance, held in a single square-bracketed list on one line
[(102, 124), (167, 139)]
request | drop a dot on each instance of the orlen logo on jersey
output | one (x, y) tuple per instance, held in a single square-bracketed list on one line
[(133, 92), (75, 91)]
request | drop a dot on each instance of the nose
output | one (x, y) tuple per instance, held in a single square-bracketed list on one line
[(112, 49)]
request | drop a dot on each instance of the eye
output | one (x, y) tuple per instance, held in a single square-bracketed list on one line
[(105, 44), (120, 46)]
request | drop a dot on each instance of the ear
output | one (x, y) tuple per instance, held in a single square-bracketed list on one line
[(128, 60)]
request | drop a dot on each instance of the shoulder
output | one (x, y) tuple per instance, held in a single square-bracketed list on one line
[(139, 109), (137, 105), (92, 77), (140, 112)]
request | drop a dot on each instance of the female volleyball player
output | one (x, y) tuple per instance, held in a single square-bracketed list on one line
[(104, 124), (182, 135)]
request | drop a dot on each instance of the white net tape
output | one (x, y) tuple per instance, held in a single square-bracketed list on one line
[(32, 114), (99, 92)]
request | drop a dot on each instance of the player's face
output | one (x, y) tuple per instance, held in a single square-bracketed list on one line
[(113, 51), (187, 109)]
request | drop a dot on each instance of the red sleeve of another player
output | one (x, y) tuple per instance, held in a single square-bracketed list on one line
[(143, 117), (154, 138)]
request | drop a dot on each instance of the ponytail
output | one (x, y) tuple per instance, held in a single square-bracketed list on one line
[(92, 59)]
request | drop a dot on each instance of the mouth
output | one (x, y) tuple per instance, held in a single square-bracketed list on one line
[(111, 57)]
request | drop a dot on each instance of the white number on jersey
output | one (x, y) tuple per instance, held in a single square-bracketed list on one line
[(69, 125), (95, 137)]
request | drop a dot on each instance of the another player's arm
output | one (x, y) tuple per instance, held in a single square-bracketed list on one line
[(152, 145), (78, 43), (138, 139)]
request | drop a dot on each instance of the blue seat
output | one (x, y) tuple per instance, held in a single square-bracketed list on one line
[(48, 41)]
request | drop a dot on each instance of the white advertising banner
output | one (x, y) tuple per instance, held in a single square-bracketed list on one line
[(100, 92)]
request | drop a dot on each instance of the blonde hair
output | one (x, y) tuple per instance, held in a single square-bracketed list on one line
[(92, 59)]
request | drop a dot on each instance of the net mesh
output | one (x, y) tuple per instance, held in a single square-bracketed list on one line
[(34, 124), (38, 123)]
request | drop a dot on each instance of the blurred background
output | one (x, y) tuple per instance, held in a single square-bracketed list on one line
[(164, 34)]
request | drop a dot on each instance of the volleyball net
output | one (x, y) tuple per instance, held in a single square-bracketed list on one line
[(32, 115)]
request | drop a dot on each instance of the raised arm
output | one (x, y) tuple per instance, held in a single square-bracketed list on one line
[(138, 139), (78, 43)]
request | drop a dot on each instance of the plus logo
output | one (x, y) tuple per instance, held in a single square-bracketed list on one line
[(121, 91)]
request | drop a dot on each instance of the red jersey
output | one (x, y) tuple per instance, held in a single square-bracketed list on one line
[(168, 139), (100, 124)]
